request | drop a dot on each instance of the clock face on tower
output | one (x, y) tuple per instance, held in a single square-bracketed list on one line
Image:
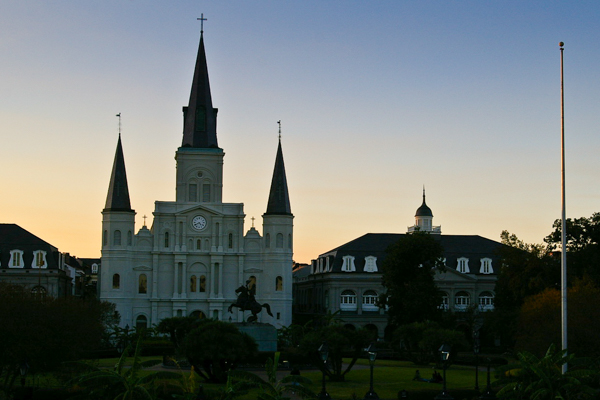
[(199, 222)]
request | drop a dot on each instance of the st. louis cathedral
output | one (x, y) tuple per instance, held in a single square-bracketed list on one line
[(195, 254)]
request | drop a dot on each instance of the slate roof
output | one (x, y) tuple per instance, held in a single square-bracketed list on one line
[(473, 247), (13, 237), (279, 198), (200, 118)]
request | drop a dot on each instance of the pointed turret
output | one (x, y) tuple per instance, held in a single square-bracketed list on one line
[(118, 191), (279, 198), (199, 117)]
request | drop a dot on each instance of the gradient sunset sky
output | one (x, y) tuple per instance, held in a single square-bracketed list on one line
[(376, 99)]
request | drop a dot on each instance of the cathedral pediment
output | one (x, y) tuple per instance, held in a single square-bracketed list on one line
[(199, 208)]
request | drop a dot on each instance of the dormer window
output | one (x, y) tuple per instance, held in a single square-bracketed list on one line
[(94, 268), (326, 264), (39, 259), (370, 264), (16, 259), (486, 266), (348, 264), (462, 265)]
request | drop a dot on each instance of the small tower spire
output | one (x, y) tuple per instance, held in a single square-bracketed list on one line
[(199, 117), (279, 198), (117, 198)]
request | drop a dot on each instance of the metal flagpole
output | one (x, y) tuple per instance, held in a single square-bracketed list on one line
[(563, 233)]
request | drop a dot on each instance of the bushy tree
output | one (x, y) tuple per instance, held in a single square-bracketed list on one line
[(583, 246), (44, 332), (539, 323), (408, 271), (342, 342), (215, 347), (419, 342), (178, 327)]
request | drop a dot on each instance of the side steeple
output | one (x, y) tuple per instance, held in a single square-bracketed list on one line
[(199, 117), (118, 191), (279, 198)]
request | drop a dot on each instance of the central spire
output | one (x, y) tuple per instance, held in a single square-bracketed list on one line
[(199, 117)]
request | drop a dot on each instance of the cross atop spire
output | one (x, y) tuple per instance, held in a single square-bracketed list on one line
[(202, 19), (119, 115), (279, 123)]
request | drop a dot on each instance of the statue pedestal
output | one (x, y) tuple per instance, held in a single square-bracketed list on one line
[(264, 334)]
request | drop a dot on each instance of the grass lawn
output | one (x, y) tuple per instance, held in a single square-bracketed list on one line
[(390, 377)]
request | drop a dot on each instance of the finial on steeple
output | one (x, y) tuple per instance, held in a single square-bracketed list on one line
[(119, 115), (423, 193), (252, 221), (145, 219), (201, 19), (279, 123)]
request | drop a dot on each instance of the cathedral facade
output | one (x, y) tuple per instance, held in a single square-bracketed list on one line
[(196, 254)]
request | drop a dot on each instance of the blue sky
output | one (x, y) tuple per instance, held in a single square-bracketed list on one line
[(376, 99)]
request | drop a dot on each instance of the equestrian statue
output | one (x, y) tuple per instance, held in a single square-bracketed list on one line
[(246, 302)]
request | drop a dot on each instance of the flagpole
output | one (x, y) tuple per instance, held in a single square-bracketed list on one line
[(563, 233)]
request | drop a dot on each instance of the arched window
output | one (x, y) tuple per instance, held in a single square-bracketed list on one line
[(279, 241), (193, 283), (142, 284), (279, 284), (198, 314), (166, 239), (462, 300), (141, 322), (348, 301), (444, 305), (230, 241), (94, 268), (289, 241), (202, 283), (199, 244), (117, 238), (486, 301), (217, 234), (116, 281), (369, 301), (268, 240), (39, 292), (129, 238)]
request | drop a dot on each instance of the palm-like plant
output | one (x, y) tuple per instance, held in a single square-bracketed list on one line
[(536, 378), (123, 382), (272, 389)]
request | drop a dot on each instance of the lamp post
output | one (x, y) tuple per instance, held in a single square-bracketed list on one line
[(23, 368), (372, 354), (489, 394), (324, 353), (476, 348), (445, 356)]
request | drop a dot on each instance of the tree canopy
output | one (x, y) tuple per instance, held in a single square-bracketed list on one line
[(408, 270), (583, 246), (215, 347)]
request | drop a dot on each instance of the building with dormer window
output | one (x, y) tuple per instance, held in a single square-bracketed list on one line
[(353, 280)]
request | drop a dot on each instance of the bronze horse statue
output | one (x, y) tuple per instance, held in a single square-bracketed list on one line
[(247, 302)]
